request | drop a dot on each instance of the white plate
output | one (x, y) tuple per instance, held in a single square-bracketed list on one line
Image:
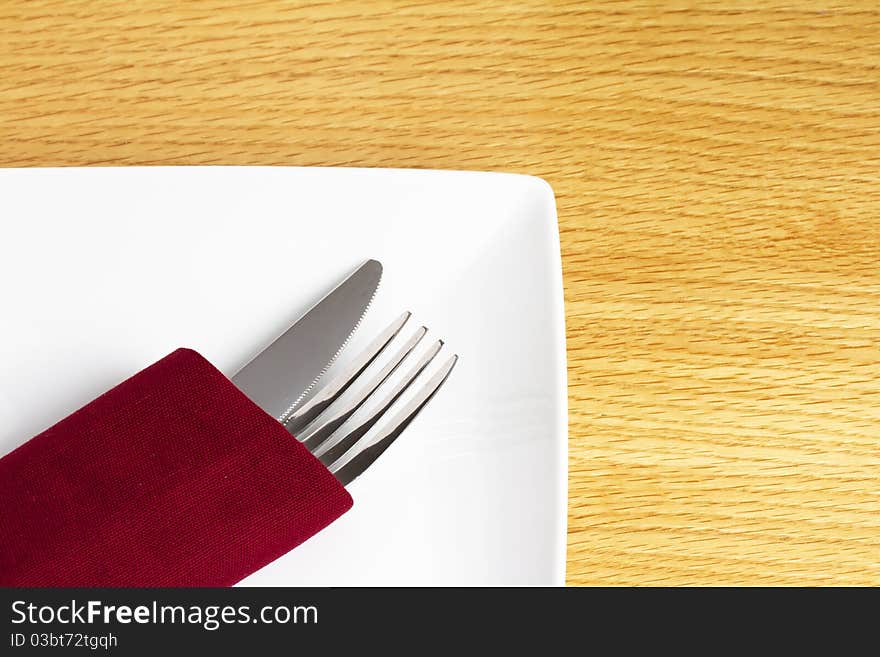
[(106, 270)]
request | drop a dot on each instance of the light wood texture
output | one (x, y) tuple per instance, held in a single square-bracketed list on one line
[(716, 170)]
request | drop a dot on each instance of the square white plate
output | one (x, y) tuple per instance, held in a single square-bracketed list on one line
[(106, 270)]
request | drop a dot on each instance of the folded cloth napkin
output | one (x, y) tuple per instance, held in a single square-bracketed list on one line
[(172, 478)]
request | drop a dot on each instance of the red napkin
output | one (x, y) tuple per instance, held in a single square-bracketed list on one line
[(172, 478)]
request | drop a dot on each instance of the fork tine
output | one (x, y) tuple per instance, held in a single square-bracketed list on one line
[(302, 416), (315, 437), (360, 462), (330, 456)]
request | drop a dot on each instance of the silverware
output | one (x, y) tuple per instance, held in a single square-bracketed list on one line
[(317, 424), (280, 377)]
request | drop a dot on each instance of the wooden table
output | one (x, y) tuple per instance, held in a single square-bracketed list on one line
[(716, 170)]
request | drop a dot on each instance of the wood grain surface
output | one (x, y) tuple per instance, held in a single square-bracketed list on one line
[(716, 166)]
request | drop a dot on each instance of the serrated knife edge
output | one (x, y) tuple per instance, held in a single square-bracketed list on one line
[(281, 375), (333, 358)]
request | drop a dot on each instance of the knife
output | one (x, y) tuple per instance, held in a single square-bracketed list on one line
[(281, 375)]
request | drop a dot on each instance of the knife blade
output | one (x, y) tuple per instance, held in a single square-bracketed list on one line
[(278, 377)]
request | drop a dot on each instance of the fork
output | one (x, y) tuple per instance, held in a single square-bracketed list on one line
[(320, 418)]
